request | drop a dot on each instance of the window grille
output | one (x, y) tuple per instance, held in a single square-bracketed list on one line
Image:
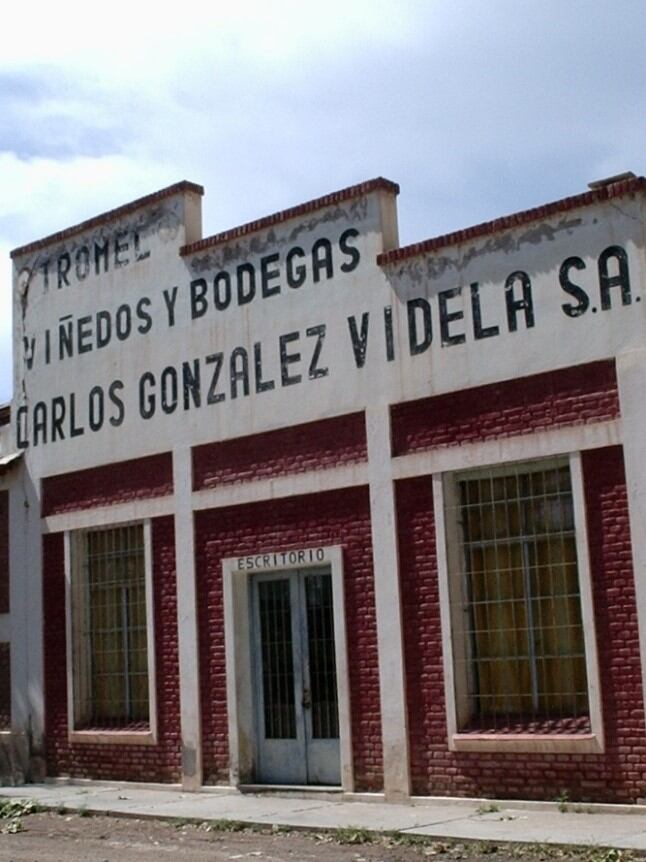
[(523, 651), (111, 636)]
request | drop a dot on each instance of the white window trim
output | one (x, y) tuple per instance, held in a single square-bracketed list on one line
[(446, 537), (109, 737), (238, 659)]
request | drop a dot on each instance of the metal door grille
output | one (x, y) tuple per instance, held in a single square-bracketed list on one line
[(322, 662), (523, 611), (277, 659), (116, 688)]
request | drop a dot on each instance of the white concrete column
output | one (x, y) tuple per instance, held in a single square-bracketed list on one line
[(631, 376), (26, 624), (392, 684), (189, 680)]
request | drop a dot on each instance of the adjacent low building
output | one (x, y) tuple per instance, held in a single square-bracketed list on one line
[(294, 505)]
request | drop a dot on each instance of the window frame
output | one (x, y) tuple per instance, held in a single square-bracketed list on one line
[(450, 559), (74, 562)]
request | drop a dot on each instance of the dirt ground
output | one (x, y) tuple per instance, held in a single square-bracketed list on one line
[(54, 837)]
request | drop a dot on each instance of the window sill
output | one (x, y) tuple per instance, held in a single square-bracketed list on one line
[(113, 737), (572, 743)]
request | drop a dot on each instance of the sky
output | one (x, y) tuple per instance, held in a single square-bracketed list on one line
[(477, 109)]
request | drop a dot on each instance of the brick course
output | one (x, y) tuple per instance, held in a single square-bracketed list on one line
[(618, 775), (334, 518), (122, 482), (297, 449), (555, 399), (160, 762)]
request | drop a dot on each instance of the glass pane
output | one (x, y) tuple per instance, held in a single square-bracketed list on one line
[(322, 662), (276, 646)]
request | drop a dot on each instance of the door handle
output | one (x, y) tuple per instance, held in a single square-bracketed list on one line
[(307, 698)]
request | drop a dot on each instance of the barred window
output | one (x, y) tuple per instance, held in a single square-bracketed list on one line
[(520, 654), (110, 629)]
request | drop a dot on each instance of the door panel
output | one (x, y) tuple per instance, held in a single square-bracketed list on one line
[(295, 678)]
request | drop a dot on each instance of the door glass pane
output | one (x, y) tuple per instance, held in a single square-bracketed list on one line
[(277, 659), (320, 642)]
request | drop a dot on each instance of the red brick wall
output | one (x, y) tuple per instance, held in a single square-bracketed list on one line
[(119, 762), (297, 449), (5, 686), (334, 518), (110, 483), (616, 776), (4, 552), (572, 396)]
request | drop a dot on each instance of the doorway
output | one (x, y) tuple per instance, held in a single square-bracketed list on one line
[(295, 678)]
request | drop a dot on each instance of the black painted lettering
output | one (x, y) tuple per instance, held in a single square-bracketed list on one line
[(359, 338), (574, 290), (349, 250), (287, 359), (261, 385), (48, 347), (269, 272), (115, 387), (139, 255), (245, 283), (170, 298), (82, 262), (480, 331), (239, 371), (222, 291), (103, 328), (617, 255), (101, 253), (63, 265), (96, 412), (217, 361), (418, 341), (191, 384), (146, 321), (45, 270), (147, 399), (22, 431), (198, 291), (168, 389), (296, 274), (448, 317), (322, 259), (75, 430), (84, 334), (315, 371), (40, 423), (65, 337), (514, 306), (123, 322), (120, 248), (58, 417)]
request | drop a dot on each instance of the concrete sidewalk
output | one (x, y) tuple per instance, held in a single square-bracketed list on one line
[(470, 820)]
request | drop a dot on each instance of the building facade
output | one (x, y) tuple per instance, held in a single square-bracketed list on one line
[(294, 505)]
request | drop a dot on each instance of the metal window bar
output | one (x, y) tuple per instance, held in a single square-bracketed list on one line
[(115, 636), (523, 628)]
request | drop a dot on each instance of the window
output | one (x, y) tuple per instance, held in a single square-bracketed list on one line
[(111, 623), (520, 661)]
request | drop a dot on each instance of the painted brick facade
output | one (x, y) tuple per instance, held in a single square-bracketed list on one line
[(5, 686), (619, 775), (572, 396), (160, 762), (112, 483), (297, 449), (334, 518), (4, 552)]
